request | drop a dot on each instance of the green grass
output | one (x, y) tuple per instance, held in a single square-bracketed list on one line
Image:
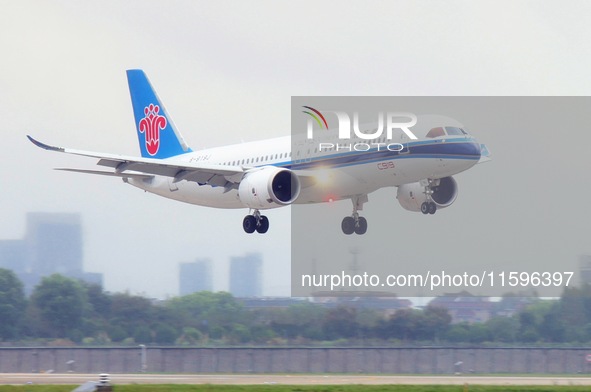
[(301, 388)]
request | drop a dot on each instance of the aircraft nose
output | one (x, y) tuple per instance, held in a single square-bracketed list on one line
[(476, 148), (471, 149)]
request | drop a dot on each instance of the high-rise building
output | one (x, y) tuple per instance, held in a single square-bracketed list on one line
[(196, 276), (52, 245), (246, 275), (585, 269), (13, 256)]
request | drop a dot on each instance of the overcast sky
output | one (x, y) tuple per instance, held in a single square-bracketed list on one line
[(226, 71)]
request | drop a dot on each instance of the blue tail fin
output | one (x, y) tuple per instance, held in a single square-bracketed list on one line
[(156, 132)]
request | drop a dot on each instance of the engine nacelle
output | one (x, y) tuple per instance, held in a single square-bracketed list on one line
[(269, 187), (411, 196)]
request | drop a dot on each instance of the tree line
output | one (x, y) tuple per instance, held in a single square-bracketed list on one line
[(65, 309)]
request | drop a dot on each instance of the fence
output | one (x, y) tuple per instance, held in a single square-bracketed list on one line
[(388, 360)]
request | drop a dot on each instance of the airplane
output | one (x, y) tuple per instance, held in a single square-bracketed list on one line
[(273, 173)]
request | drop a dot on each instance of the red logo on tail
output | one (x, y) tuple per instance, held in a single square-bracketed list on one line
[(151, 125)]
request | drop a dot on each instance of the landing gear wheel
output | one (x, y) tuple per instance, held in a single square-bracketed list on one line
[(249, 224), (348, 225), (263, 225), (355, 223), (425, 208), (432, 208), (361, 226)]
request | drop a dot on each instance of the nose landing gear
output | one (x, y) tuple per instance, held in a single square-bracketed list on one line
[(429, 206)]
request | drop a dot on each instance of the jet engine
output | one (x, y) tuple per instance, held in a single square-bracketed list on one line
[(443, 193), (268, 187)]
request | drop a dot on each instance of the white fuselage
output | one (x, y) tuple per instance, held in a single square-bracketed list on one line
[(338, 173)]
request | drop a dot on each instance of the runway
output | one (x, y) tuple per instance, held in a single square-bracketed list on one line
[(262, 379)]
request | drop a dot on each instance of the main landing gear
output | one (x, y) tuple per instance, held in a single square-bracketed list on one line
[(255, 222), (429, 206), (355, 223)]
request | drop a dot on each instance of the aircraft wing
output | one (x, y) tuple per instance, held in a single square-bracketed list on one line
[(137, 167)]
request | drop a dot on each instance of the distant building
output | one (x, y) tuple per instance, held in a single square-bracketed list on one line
[(386, 303), (585, 269), (252, 303), (464, 307), (13, 256), (511, 304), (246, 278), (196, 276), (52, 244)]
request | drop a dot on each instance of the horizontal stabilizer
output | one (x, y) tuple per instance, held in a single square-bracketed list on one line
[(136, 176)]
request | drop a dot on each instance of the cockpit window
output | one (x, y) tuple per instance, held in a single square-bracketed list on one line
[(454, 131), (436, 132)]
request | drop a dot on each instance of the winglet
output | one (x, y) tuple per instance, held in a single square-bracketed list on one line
[(44, 146)]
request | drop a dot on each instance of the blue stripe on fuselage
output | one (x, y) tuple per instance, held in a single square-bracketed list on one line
[(464, 148)]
